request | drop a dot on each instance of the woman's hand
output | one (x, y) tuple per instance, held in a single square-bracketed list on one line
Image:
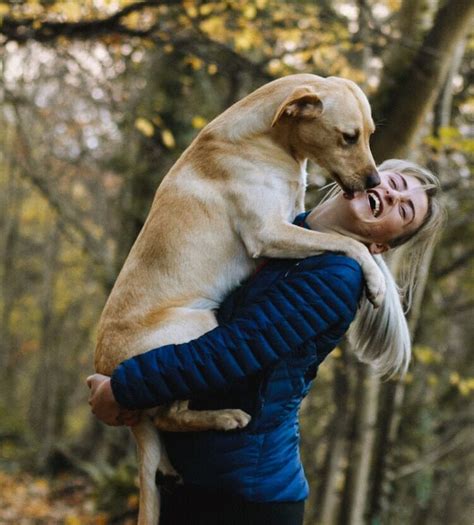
[(105, 407)]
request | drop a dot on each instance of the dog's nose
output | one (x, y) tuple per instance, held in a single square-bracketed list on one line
[(372, 180)]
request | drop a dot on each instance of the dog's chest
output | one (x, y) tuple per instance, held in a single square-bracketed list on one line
[(298, 191)]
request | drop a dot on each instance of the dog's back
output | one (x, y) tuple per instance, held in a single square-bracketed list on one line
[(189, 253)]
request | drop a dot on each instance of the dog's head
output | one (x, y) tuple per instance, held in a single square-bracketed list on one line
[(331, 124)]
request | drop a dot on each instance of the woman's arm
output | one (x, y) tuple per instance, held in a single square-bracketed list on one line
[(318, 296)]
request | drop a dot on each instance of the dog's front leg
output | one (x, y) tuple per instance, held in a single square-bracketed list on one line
[(280, 239)]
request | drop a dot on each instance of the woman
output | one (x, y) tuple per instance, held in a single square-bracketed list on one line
[(273, 333)]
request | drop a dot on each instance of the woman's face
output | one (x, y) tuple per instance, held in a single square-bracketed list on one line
[(397, 206)]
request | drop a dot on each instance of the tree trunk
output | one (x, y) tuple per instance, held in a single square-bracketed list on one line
[(360, 459), (12, 208), (45, 384), (405, 108), (410, 23), (329, 493), (395, 391)]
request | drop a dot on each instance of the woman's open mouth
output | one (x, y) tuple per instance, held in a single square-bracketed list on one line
[(375, 203)]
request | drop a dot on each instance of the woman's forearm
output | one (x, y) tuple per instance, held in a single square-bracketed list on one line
[(305, 305)]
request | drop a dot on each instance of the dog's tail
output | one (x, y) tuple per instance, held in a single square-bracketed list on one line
[(149, 449)]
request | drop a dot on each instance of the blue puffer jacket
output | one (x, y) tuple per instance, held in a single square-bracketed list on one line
[(273, 334)]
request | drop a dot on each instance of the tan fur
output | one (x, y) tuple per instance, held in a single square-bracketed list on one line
[(229, 200)]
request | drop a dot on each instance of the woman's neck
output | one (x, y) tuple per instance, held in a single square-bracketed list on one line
[(324, 218)]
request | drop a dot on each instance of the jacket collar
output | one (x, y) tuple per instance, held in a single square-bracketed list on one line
[(300, 220)]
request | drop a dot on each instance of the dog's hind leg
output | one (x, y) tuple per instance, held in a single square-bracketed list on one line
[(178, 417), (150, 452)]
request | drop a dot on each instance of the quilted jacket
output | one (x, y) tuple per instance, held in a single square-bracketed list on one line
[(273, 333)]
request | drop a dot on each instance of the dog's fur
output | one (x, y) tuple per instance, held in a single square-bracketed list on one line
[(229, 200)]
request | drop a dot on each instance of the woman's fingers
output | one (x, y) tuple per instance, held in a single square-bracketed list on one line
[(94, 379), (104, 405)]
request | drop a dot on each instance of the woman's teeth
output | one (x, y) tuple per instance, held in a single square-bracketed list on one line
[(375, 204)]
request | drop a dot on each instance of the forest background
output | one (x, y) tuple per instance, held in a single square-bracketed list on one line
[(99, 98)]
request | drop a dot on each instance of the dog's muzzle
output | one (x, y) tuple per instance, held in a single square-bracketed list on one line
[(372, 180)]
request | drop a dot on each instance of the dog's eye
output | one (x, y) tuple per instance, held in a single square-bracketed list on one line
[(351, 138)]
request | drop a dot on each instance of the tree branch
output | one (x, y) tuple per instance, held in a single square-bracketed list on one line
[(419, 81), (432, 456), (95, 247), (459, 262), (195, 41), (24, 29)]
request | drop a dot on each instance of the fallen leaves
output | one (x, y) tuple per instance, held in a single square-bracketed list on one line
[(27, 500)]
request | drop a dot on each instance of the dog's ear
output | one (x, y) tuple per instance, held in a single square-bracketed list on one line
[(302, 103)]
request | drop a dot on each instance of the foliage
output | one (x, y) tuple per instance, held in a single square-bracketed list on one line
[(99, 99)]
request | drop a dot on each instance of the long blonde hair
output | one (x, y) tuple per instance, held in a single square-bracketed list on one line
[(381, 336)]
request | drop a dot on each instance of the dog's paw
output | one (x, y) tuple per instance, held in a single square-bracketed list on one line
[(376, 288), (231, 419), (167, 481)]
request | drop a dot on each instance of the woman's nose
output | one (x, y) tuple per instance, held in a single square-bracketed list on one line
[(392, 196)]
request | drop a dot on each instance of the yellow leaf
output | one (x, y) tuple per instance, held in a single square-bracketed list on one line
[(244, 40), (454, 378), (250, 12), (168, 139), (464, 388), (206, 9), (446, 133), (214, 26), (191, 11), (199, 122), (426, 355), (195, 62), (72, 520), (72, 11), (132, 20), (275, 66), (144, 126), (212, 69), (132, 501)]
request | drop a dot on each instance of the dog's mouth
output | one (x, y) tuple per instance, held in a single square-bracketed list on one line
[(347, 193), (375, 203)]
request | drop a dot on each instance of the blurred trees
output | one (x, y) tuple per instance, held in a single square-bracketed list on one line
[(100, 98)]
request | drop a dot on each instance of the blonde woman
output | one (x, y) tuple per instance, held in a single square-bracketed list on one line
[(273, 333)]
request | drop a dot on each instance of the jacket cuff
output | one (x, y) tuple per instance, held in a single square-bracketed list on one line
[(124, 393)]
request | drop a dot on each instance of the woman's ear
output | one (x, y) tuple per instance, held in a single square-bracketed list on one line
[(376, 248)]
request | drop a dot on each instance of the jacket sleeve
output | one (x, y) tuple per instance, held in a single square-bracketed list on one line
[(311, 301)]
